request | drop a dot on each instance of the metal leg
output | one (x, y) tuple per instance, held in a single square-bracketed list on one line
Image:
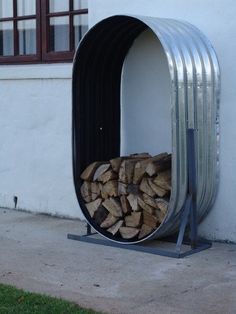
[(88, 230), (191, 134), (184, 222)]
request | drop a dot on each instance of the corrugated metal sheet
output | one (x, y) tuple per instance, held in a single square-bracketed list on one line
[(195, 96)]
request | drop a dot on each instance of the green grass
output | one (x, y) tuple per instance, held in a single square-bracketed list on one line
[(15, 301)]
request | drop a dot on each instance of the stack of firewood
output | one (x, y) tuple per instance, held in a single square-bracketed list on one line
[(128, 196)]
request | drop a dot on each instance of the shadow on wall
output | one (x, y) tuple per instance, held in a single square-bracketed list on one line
[(145, 94)]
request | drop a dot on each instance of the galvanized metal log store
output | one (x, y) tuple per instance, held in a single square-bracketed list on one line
[(195, 91)]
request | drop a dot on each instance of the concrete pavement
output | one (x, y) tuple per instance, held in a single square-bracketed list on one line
[(35, 255)]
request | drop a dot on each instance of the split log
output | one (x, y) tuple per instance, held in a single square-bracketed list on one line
[(93, 206), (126, 208), (128, 232), (145, 206), (126, 171), (149, 200), (107, 176), (104, 194), (86, 191), (160, 215), (145, 187), (139, 170), (150, 220), (95, 190), (157, 189), (113, 206), (140, 167), (110, 189), (163, 180), (109, 221), (122, 188), (133, 220), (140, 155), (162, 205), (133, 201), (100, 215), (121, 195), (145, 231), (115, 228), (88, 173), (100, 171), (115, 163), (157, 166)]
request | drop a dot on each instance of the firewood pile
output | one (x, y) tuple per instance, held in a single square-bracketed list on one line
[(128, 196)]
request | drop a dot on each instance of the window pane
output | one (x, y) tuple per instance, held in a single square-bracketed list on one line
[(6, 39), (27, 37), (80, 27), (58, 5), (59, 33), (26, 7), (6, 8), (80, 4)]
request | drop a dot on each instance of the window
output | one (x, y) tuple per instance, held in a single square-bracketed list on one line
[(41, 30)]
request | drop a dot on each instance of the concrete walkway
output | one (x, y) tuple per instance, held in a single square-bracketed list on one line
[(35, 255)]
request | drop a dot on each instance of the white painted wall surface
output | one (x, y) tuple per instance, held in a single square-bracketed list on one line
[(35, 139), (216, 18)]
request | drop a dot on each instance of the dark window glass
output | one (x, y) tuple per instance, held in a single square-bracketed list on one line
[(41, 30), (6, 39), (59, 33)]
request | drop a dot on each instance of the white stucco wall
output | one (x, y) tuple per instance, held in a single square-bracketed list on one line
[(216, 19), (35, 139), (35, 113)]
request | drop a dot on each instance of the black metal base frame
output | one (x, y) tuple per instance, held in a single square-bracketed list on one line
[(202, 245), (194, 245), (188, 218)]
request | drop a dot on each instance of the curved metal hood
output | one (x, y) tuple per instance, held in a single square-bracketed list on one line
[(195, 96)]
